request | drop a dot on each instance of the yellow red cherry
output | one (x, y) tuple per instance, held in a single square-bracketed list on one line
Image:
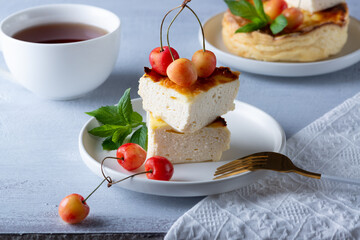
[(131, 156), (73, 209), (182, 72), (205, 62), (294, 17), (274, 8)]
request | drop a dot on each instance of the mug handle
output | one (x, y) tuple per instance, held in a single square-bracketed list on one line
[(4, 73)]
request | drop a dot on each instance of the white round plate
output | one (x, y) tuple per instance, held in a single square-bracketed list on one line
[(251, 129), (348, 56)]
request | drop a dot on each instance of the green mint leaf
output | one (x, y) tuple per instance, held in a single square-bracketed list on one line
[(140, 137), (124, 106), (259, 6), (135, 125), (120, 135), (279, 24), (118, 123), (259, 22), (136, 117), (106, 130), (242, 8), (107, 115), (250, 27), (109, 145)]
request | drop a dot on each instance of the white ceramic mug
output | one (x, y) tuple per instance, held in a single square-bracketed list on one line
[(66, 70)]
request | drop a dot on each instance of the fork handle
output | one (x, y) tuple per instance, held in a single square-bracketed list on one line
[(307, 173), (340, 179)]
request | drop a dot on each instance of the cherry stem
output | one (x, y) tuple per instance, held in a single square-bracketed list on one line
[(109, 180), (185, 2), (135, 174), (94, 190), (183, 5), (201, 27), (161, 27), (167, 34), (162, 22)]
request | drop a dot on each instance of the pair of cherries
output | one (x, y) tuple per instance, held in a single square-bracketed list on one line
[(182, 71), (131, 156), (74, 209)]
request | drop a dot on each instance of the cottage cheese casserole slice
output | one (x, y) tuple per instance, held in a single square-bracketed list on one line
[(321, 35), (206, 144), (188, 109)]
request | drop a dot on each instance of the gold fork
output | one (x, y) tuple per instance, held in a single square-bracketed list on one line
[(270, 161)]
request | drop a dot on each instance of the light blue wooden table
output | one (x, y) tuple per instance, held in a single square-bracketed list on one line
[(40, 163)]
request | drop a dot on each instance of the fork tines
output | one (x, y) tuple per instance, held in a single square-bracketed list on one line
[(240, 165)]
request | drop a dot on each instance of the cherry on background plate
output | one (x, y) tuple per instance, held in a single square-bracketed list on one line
[(294, 17), (273, 8)]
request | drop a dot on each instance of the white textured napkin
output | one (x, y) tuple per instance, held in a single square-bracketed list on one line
[(289, 206)]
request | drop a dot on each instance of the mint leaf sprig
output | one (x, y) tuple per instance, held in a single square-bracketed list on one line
[(118, 122), (256, 14)]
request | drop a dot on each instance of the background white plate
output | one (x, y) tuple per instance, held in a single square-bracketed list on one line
[(251, 129), (348, 56)]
